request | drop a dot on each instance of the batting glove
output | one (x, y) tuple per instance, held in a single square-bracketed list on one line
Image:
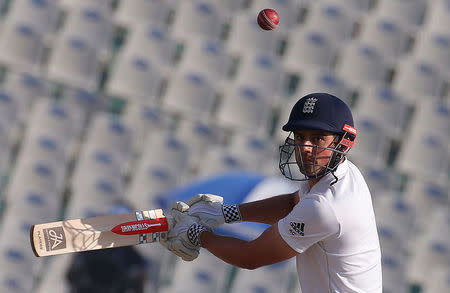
[(211, 211), (183, 238)]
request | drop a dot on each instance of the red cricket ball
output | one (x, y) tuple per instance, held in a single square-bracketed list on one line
[(268, 19)]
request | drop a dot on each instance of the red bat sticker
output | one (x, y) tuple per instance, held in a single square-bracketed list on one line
[(141, 227)]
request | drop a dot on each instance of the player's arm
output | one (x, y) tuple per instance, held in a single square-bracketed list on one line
[(269, 210), (267, 249), (211, 211)]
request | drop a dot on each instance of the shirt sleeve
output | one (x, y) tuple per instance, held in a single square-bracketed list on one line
[(311, 221)]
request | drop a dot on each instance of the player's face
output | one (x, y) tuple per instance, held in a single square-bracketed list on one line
[(311, 150)]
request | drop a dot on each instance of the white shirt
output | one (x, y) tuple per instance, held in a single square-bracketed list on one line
[(334, 230)]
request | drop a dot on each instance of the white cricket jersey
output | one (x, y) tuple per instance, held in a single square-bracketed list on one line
[(334, 230)]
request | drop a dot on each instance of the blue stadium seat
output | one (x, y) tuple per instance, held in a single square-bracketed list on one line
[(197, 18), (134, 77), (386, 35), (264, 72), (332, 19), (361, 64), (42, 15), (145, 118), (244, 108), (189, 94), (91, 22), (208, 57), (74, 62), (21, 47), (132, 14), (415, 78), (309, 48), (154, 42)]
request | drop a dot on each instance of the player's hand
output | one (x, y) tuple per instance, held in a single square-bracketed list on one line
[(208, 208), (183, 238), (211, 211)]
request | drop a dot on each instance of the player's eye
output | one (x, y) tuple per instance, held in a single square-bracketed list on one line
[(318, 139), (299, 137)]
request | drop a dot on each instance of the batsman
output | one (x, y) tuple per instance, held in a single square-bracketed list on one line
[(328, 224)]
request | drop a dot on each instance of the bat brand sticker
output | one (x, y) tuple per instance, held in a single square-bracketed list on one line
[(54, 238), (141, 227), (137, 227)]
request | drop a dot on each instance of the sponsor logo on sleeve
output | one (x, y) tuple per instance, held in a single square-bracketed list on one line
[(54, 238), (297, 228)]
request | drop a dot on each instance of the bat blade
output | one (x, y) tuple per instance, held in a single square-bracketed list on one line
[(98, 232)]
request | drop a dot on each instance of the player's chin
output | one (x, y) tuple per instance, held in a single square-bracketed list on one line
[(311, 171)]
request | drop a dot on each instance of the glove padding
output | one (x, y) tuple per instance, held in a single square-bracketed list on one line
[(208, 208), (184, 232)]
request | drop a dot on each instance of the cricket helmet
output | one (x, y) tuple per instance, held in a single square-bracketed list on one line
[(318, 111)]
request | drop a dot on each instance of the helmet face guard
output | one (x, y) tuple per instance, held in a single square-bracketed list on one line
[(293, 166)]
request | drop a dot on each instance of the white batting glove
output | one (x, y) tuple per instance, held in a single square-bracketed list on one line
[(183, 238), (211, 211)]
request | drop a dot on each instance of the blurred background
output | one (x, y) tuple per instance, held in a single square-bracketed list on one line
[(110, 106)]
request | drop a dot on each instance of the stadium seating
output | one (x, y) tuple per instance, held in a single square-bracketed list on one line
[(244, 108), (94, 197), (332, 19), (199, 135), (43, 15), (92, 23), (410, 13), (196, 91), (55, 278), (431, 246), (149, 184), (117, 101), (437, 17), (274, 278), (134, 77), (164, 149), (74, 62), (153, 42), (220, 160), (141, 11), (263, 72), (433, 47), (208, 57), (93, 162), (144, 118), (310, 48), (324, 80), (385, 106), (197, 18), (110, 133), (386, 35), (361, 64), (372, 138), (196, 277), (25, 87), (252, 150), (426, 196), (21, 46), (357, 7), (415, 78), (433, 159)]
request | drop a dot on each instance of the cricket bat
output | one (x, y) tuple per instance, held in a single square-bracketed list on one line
[(101, 232)]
